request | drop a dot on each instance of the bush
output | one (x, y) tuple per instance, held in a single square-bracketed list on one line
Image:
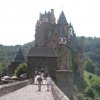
[(21, 69), (90, 67), (96, 85), (90, 92), (90, 77)]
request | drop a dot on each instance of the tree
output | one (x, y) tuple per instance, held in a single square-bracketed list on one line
[(90, 92), (21, 69), (90, 66)]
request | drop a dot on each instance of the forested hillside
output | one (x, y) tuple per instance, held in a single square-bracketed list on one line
[(92, 49), (91, 54), (91, 89)]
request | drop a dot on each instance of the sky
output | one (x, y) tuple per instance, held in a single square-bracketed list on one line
[(18, 18)]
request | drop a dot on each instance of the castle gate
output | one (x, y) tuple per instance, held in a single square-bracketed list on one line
[(42, 58)]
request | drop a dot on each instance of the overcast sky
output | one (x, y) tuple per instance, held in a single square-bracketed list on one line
[(18, 18)]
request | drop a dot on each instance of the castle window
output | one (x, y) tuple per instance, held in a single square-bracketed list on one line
[(62, 40)]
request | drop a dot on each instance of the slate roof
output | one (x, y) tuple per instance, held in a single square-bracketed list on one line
[(62, 22), (42, 52), (62, 19), (19, 57)]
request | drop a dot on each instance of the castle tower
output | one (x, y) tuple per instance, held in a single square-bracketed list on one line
[(19, 58), (52, 18), (63, 43), (63, 29), (44, 28)]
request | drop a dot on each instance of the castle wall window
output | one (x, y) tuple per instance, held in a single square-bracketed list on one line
[(62, 40)]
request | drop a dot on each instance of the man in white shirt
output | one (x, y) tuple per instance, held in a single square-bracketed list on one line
[(49, 83)]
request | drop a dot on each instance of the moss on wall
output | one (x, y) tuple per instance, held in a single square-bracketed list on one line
[(74, 66), (62, 58)]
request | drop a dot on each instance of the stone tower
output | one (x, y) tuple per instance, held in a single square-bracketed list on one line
[(19, 58)]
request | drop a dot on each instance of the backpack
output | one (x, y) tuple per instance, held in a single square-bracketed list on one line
[(39, 79)]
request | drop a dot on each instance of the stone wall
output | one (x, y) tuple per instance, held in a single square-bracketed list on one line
[(65, 82), (57, 93), (7, 88)]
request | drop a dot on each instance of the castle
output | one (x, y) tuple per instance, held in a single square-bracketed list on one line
[(56, 52)]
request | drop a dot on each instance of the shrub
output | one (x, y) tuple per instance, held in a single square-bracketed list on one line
[(90, 67), (96, 85), (90, 92), (21, 69)]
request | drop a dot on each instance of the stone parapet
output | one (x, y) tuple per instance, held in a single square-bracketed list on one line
[(57, 93), (7, 88), (65, 82)]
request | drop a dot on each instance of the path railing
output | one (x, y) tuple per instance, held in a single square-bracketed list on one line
[(57, 93)]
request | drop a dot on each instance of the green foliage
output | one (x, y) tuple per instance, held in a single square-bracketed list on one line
[(7, 54), (90, 92), (91, 43), (21, 69), (92, 49), (90, 66), (77, 94), (96, 85), (3, 69), (92, 89)]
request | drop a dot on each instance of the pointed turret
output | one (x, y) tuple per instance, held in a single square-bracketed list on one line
[(19, 56), (62, 22), (62, 19)]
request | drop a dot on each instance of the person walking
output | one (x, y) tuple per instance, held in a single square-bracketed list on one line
[(49, 83), (39, 82)]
